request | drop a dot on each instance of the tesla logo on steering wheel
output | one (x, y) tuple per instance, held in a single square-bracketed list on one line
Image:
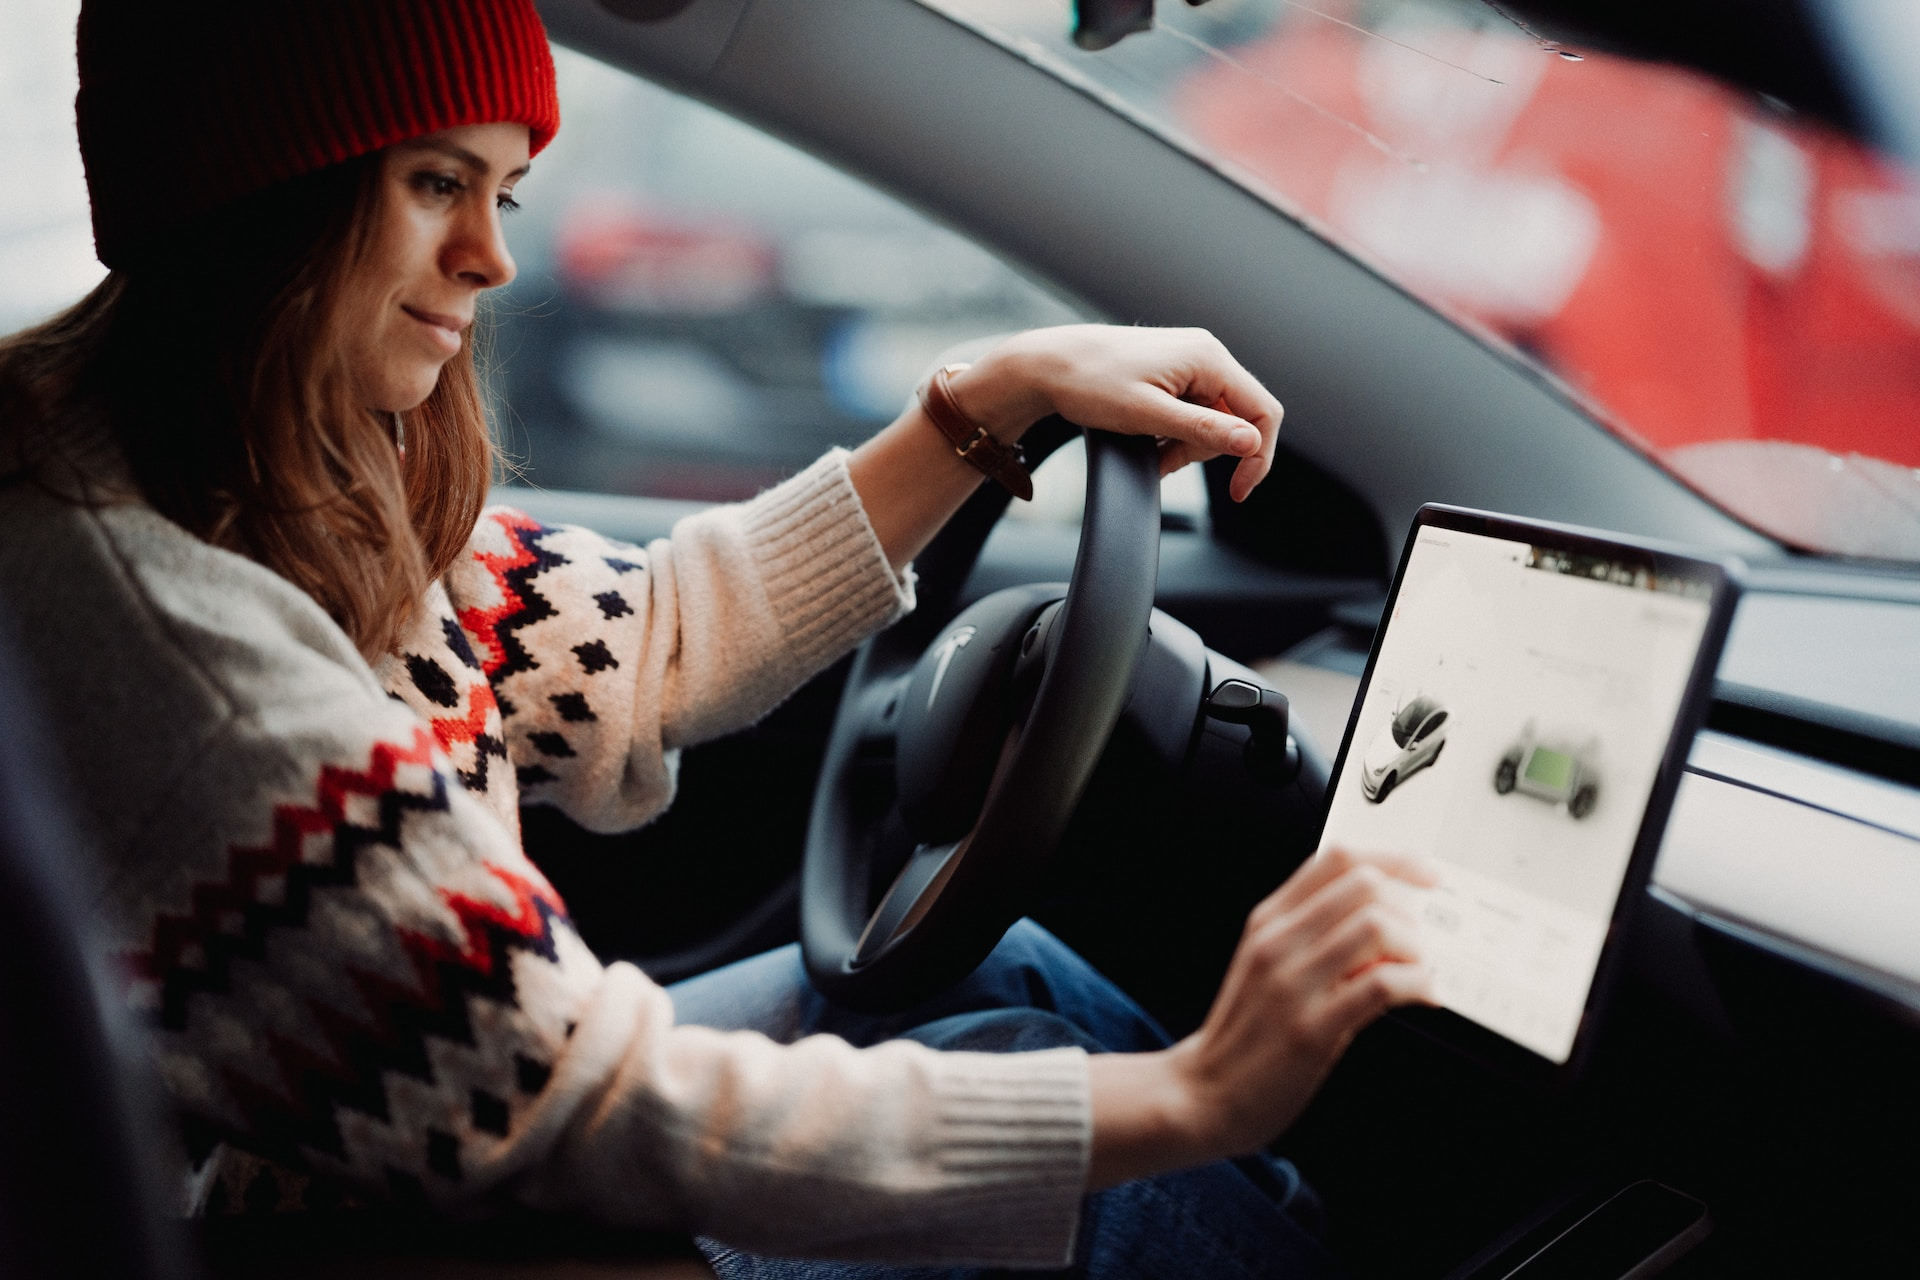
[(948, 647)]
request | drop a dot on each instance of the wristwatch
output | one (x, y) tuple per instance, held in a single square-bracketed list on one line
[(1005, 465)]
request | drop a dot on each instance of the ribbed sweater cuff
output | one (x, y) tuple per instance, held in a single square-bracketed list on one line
[(1016, 1134), (826, 575)]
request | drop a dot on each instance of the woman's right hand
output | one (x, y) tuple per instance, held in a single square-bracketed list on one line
[(1320, 958)]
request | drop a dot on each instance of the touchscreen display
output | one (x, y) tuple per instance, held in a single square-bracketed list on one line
[(1517, 714)]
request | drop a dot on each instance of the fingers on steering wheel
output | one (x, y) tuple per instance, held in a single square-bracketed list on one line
[(1248, 475), (1175, 454), (1241, 396), (1223, 410)]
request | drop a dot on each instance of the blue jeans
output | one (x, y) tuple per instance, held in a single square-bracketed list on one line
[(1244, 1218)]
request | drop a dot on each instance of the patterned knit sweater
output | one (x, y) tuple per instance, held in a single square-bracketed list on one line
[(311, 877)]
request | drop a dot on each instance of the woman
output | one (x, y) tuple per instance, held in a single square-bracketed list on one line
[(301, 685)]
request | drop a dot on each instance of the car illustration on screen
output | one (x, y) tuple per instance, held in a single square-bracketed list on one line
[(1410, 742), (1554, 771)]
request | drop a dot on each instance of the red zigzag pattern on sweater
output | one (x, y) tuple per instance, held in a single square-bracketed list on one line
[(450, 731), (190, 952), (475, 952), (218, 907), (179, 939), (485, 624)]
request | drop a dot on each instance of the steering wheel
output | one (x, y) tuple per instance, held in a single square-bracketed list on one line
[(992, 735)]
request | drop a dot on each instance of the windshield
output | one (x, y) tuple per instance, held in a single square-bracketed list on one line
[(1732, 288)]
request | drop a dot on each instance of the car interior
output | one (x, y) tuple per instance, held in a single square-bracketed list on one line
[(1757, 1065)]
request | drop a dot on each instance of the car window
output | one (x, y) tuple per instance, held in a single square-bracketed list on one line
[(1426, 730), (46, 240), (1730, 287), (702, 309)]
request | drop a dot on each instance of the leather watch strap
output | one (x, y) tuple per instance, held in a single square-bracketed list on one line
[(1004, 464)]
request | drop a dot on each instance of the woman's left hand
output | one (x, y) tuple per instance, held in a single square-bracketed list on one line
[(1181, 385)]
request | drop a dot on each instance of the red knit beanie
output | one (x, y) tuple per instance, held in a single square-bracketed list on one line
[(185, 107)]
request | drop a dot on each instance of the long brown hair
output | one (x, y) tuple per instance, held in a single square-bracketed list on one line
[(217, 365)]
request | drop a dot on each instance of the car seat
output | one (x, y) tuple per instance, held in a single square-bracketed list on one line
[(77, 1197)]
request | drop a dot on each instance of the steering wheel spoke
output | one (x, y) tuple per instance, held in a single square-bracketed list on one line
[(910, 897)]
